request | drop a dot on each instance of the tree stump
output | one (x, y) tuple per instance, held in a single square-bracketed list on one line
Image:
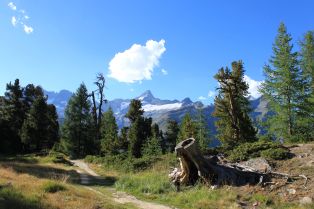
[(194, 167)]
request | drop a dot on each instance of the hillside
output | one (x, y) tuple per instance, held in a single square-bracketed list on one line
[(153, 184)]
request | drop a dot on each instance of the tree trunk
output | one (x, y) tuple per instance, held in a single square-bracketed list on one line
[(195, 167), (94, 112)]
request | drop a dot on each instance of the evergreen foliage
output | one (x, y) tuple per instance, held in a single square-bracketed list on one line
[(109, 132), (153, 146), (267, 149), (202, 136), (12, 116), (284, 87), (135, 110), (172, 134), (232, 109), (187, 128), (77, 130), (306, 122), (27, 122), (35, 127), (140, 128)]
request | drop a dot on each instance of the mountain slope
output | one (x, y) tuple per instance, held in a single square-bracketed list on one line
[(160, 110)]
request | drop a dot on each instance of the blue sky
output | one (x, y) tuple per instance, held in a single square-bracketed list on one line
[(173, 48)]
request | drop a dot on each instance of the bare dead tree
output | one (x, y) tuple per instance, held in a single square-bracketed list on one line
[(97, 110)]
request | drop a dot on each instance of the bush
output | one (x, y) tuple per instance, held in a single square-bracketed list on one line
[(269, 150), (53, 187), (122, 162), (275, 154)]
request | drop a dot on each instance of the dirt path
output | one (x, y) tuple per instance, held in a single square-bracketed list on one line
[(119, 197)]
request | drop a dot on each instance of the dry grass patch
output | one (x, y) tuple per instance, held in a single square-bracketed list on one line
[(25, 184)]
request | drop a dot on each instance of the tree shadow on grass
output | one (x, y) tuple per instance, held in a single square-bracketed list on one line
[(59, 174), (89, 180), (19, 158)]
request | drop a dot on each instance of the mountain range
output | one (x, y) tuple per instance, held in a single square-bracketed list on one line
[(159, 109)]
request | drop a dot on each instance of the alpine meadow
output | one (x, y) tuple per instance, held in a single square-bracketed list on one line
[(156, 105)]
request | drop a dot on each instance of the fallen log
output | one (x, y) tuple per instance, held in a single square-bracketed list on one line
[(212, 171)]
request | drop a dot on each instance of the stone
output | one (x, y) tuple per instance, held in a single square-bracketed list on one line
[(306, 200), (291, 191), (259, 164)]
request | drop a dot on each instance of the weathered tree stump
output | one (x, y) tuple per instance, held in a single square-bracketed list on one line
[(215, 172), (194, 167)]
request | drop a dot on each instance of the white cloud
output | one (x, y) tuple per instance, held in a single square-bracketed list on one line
[(211, 94), (164, 72), (136, 63), (253, 86), (20, 18), (12, 6), (28, 29), (201, 98), (14, 21)]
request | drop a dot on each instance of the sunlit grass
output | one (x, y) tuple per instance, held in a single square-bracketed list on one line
[(31, 184)]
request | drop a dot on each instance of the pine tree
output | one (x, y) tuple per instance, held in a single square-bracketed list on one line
[(123, 138), (53, 126), (283, 86), (172, 134), (140, 128), (35, 127), (187, 128), (77, 129), (153, 145), (135, 110), (306, 122), (232, 109), (109, 132), (202, 136), (13, 114)]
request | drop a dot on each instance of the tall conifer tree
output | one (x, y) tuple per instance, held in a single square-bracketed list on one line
[(232, 108), (283, 86), (109, 132), (77, 130), (187, 128), (307, 65)]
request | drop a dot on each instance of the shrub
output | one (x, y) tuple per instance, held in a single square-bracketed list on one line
[(275, 154), (269, 150), (122, 162), (53, 187)]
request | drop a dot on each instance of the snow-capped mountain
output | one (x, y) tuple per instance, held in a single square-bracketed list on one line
[(156, 108), (59, 99), (160, 110)]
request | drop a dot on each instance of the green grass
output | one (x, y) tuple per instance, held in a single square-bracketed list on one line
[(53, 187), (152, 184), (11, 198)]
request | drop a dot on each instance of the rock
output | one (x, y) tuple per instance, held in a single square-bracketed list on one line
[(259, 164), (256, 204), (291, 191), (306, 200)]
